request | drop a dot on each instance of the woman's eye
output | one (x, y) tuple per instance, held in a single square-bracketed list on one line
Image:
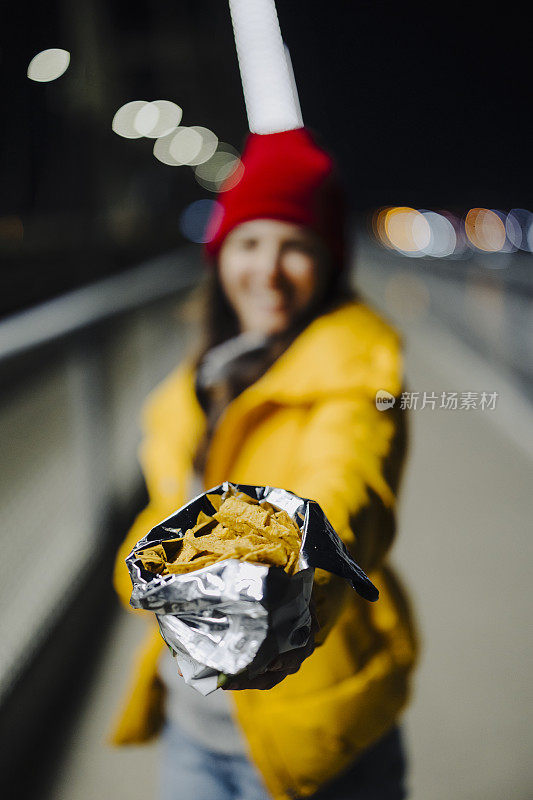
[(248, 244), (298, 247)]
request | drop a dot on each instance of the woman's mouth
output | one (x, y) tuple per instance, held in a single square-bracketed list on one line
[(272, 305)]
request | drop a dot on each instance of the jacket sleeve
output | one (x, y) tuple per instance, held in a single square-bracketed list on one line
[(350, 462)]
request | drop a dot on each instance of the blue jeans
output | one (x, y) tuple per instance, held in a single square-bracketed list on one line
[(191, 772)]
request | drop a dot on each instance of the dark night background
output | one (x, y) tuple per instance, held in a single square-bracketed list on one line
[(423, 105)]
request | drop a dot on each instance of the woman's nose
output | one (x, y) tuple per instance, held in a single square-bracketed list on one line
[(271, 266)]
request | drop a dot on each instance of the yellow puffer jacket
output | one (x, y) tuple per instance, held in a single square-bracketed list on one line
[(310, 425)]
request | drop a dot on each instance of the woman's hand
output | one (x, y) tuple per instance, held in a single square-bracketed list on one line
[(285, 664)]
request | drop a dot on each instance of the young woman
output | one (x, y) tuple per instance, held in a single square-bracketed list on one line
[(283, 394)]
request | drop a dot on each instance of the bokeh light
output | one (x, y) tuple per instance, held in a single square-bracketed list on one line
[(124, 120), (146, 119), (141, 118), (195, 218), (222, 171), (463, 248), (485, 230), (186, 146), (519, 228), (378, 225), (443, 239), (157, 118), (508, 246), (162, 151), (208, 148), (48, 65), (443, 234), (420, 233), (407, 230)]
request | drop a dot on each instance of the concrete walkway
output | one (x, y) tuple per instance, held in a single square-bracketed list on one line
[(464, 548)]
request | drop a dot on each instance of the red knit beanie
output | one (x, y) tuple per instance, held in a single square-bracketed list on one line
[(288, 177)]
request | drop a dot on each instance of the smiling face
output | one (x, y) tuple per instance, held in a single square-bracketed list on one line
[(271, 273)]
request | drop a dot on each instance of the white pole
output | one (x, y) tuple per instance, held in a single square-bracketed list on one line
[(268, 83), (294, 88)]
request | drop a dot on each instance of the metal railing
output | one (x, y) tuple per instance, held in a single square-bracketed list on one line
[(75, 371), (99, 302)]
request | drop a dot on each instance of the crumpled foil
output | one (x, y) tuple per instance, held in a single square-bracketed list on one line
[(236, 615)]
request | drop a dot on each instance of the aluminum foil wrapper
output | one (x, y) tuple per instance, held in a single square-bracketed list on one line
[(236, 615)]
